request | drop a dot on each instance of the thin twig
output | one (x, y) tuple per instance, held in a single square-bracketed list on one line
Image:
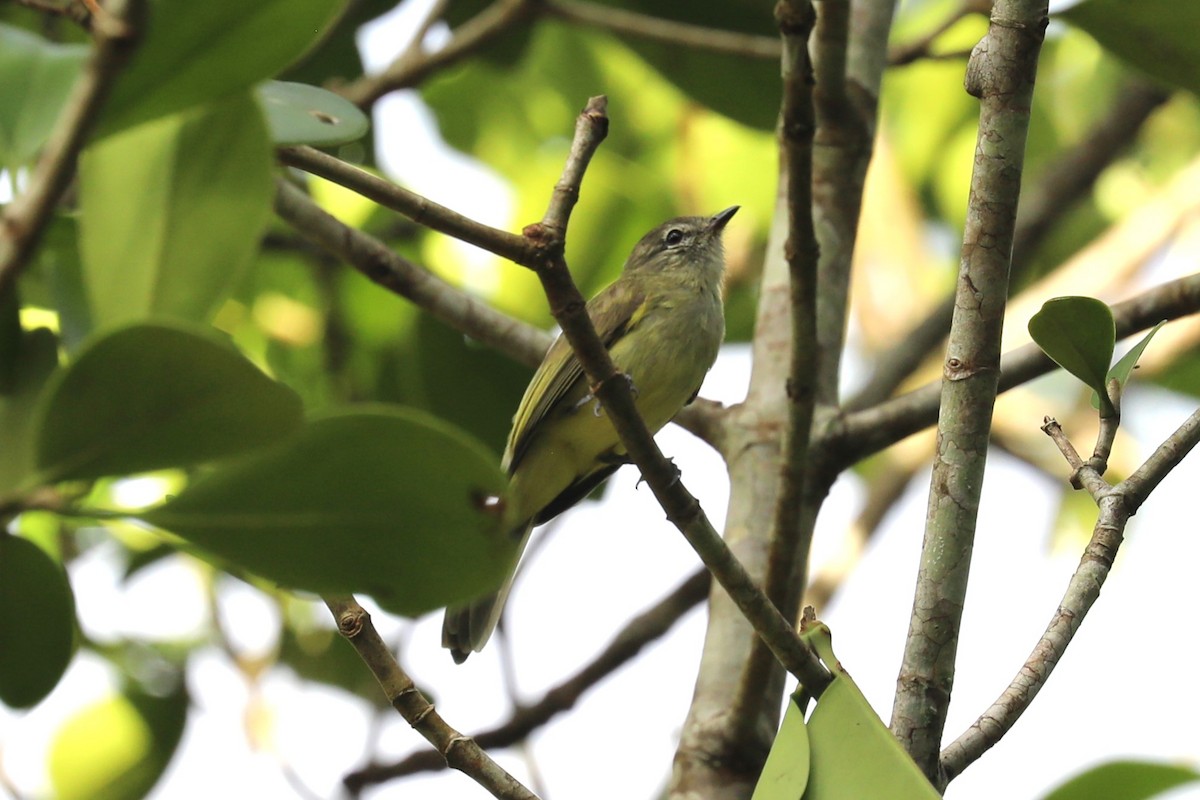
[(1117, 504), (460, 752), (522, 342), (666, 31), (1137, 487), (1081, 593), (859, 434), (77, 12), (419, 209), (921, 47), (640, 631), (415, 64), (25, 218), (614, 393)]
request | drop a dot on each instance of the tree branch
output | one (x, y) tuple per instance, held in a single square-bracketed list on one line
[(798, 123), (861, 433), (643, 629), (1138, 486), (419, 209), (922, 47), (1117, 504), (25, 218), (378, 262), (667, 31), (460, 752), (1001, 73), (415, 64)]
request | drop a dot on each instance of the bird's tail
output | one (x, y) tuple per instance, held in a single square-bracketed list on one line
[(467, 628)]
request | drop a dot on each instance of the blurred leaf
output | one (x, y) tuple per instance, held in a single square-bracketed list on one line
[(785, 774), (36, 76), (1183, 374), (1125, 780), (1125, 366), (460, 381), (383, 501), (1078, 333), (302, 114), (32, 364), (117, 748), (324, 656), (138, 560), (335, 58), (155, 396), (743, 88), (172, 211), (11, 340), (191, 53), (1156, 36), (37, 622)]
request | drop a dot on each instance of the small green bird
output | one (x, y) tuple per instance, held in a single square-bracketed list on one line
[(662, 321)]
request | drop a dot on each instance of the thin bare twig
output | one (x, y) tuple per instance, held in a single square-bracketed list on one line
[(415, 63), (522, 342), (667, 31), (643, 629), (1137, 487), (419, 209), (460, 752), (921, 48), (1116, 505), (858, 434), (26, 217)]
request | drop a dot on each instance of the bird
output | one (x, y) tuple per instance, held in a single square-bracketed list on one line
[(663, 322)]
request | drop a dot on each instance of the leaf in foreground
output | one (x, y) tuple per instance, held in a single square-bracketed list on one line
[(844, 751), (37, 622), (157, 396), (387, 502), (1125, 780)]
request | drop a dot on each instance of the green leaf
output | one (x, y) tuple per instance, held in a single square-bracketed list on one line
[(742, 88), (1156, 36), (31, 365), (389, 502), (1125, 780), (172, 211), (1125, 366), (1078, 333), (785, 775), (37, 622), (191, 53), (117, 748), (852, 752), (301, 114), (156, 396), (37, 76)]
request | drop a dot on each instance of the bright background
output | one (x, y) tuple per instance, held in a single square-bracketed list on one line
[(1125, 689)]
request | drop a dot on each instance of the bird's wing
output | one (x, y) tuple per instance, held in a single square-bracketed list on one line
[(559, 382)]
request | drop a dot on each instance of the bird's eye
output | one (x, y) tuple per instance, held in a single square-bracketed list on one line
[(674, 237)]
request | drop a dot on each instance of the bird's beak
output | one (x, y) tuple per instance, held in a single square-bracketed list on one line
[(717, 222)]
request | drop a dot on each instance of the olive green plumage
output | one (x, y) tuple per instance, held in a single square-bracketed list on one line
[(662, 322)]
